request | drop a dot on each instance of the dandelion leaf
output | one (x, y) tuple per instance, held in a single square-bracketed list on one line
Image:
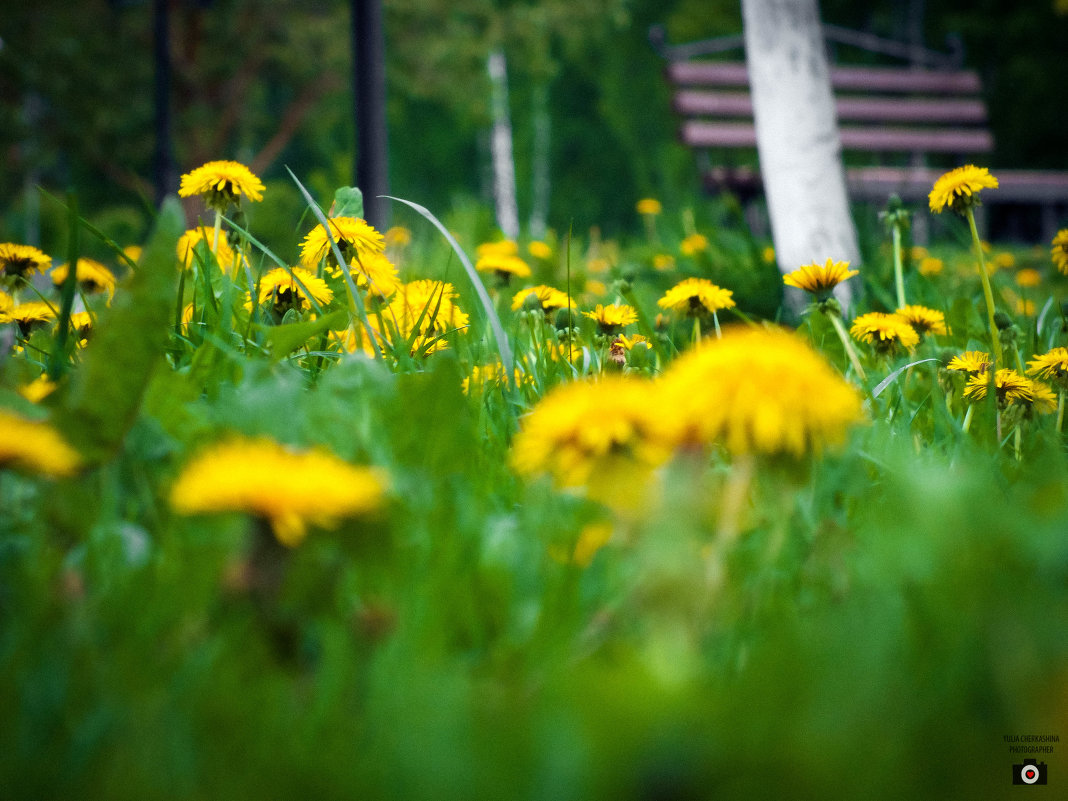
[(284, 339), (130, 339), (348, 202)]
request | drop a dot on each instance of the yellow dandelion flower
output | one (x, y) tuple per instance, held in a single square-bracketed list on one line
[(504, 266), (1002, 261), (612, 317), (768, 254), (918, 253), (1009, 386), (224, 254), (662, 262), (924, 320), (648, 206), (929, 265), (38, 389), (693, 244), (221, 183), (591, 431), (356, 338), (397, 237), (31, 315), (543, 297), (960, 188), (34, 447), (376, 273), (353, 236), (1025, 307), (971, 362), (133, 253), (1059, 250), (82, 324), (291, 489), (433, 304), (281, 288), (594, 287), (540, 250), (1052, 366), (885, 332), (629, 343), (92, 276), (489, 375), (1043, 399), (696, 297), (757, 390), (503, 247), (598, 264), (1028, 278), (819, 280), (572, 351), (7, 303), (20, 261)]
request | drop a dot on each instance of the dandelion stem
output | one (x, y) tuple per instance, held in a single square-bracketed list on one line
[(1060, 411), (967, 419), (715, 320), (899, 277), (988, 294), (215, 235), (732, 506), (851, 352)]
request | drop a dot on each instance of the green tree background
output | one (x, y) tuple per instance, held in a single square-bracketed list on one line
[(268, 83)]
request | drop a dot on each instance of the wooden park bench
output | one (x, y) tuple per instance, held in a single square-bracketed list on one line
[(901, 127)]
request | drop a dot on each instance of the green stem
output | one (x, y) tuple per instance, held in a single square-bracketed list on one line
[(1060, 411), (215, 236), (851, 352), (899, 278), (988, 294), (967, 419)]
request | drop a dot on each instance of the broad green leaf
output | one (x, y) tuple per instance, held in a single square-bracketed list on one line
[(284, 339), (348, 202), (129, 341)]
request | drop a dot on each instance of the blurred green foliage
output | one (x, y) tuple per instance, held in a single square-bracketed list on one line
[(268, 84)]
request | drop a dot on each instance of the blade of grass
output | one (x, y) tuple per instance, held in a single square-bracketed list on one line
[(355, 301), (890, 378), (58, 360), (503, 348)]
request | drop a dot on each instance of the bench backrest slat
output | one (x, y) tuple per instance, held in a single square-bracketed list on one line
[(871, 79), (696, 133), (694, 102)]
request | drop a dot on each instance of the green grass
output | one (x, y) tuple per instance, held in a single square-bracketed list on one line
[(911, 616)]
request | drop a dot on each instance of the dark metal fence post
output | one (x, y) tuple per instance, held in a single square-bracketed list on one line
[(369, 90), (163, 172)]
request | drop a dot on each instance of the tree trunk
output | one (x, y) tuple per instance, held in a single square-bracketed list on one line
[(539, 158), (797, 134), (504, 193)]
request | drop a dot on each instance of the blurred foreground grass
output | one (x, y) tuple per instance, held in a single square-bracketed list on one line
[(891, 610)]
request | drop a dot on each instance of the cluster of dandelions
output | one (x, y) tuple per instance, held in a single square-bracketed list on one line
[(753, 391), (343, 254)]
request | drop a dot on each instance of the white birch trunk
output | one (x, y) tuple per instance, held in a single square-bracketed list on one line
[(504, 192), (539, 158), (797, 134)]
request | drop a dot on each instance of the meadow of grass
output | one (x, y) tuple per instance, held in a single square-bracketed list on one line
[(288, 525)]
